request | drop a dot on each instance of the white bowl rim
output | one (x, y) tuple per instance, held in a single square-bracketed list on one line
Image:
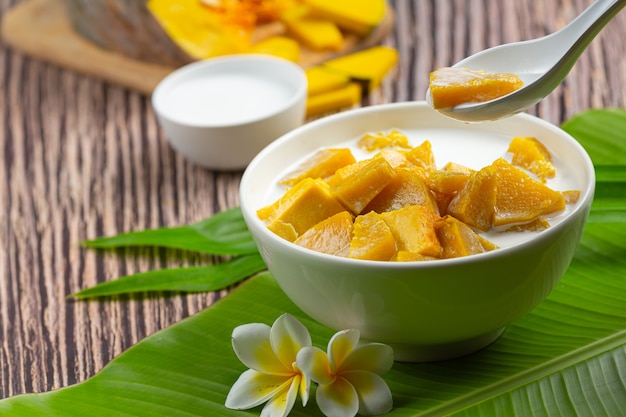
[(244, 61), (249, 213)]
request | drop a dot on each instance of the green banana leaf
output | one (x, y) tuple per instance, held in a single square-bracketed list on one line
[(567, 357)]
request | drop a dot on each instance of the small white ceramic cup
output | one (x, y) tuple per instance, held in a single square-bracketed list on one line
[(219, 113)]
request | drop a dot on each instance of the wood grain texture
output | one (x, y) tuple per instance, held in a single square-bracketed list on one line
[(81, 158)]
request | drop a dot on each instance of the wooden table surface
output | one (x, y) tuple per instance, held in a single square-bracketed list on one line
[(81, 158)]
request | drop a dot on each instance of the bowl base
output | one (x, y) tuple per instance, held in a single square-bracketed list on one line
[(444, 351)]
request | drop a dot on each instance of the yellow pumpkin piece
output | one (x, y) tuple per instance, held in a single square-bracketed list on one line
[(405, 256), (407, 188), (323, 80), (196, 29), (457, 239), (474, 204), (331, 236), (450, 87), (368, 66), (280, 46), (358, 16), (284, 230), (322, 164), (571, 196), (530, 154), (334, 100), (455, 167), (422, 155), (304, 205), (521, 198), (313, 32), (372, 239), (447, 182), (355, 188), (536, 225), (487, 244), (395, 158), (373, 141), (413, 228)]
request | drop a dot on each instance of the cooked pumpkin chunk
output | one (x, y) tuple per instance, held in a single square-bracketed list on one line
[(422, 155), (536, 225), (450, 87), (458, 239), (447, 182), (284, 230), (323, 164), (359, 186), (372, 239), (571, 196), (304, 205), (373, 141), (521, 198), (475, 203), (395, 157), (406, 189), (413, 228), (331, 236), (404, 256), (530, 154), (456, 167)]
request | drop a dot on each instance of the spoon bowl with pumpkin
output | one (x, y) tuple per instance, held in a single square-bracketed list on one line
[(424, 233)]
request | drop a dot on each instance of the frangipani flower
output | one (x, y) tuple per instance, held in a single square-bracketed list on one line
[(273, 377), (349, 375)]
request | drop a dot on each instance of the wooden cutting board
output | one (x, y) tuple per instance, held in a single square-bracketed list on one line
[(42, 29)]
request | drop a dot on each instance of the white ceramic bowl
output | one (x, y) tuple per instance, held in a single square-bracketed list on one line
[(425, 310), (219, 113)]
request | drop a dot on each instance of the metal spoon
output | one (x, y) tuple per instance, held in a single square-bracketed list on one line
[(541, 63)]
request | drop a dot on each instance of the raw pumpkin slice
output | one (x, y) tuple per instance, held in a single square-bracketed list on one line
[(313, 32), (331, 236), (474, 204), (345, 97), (458, 239), (521, 198), (280, 46), (532, 155), (406, 189), (322, 80), (380, 140), (358, 16), (413, 228), (450, 86), (302, 206), (372, 239), (323, 164), (357, 184), (368, 66)]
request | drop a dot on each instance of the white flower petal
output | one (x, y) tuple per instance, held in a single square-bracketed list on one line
[(373, 357), (374, 394), (251, 343), (254, 388), (283, 402), (341, 345), (287, 337), (338, 399), (313, 362)]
